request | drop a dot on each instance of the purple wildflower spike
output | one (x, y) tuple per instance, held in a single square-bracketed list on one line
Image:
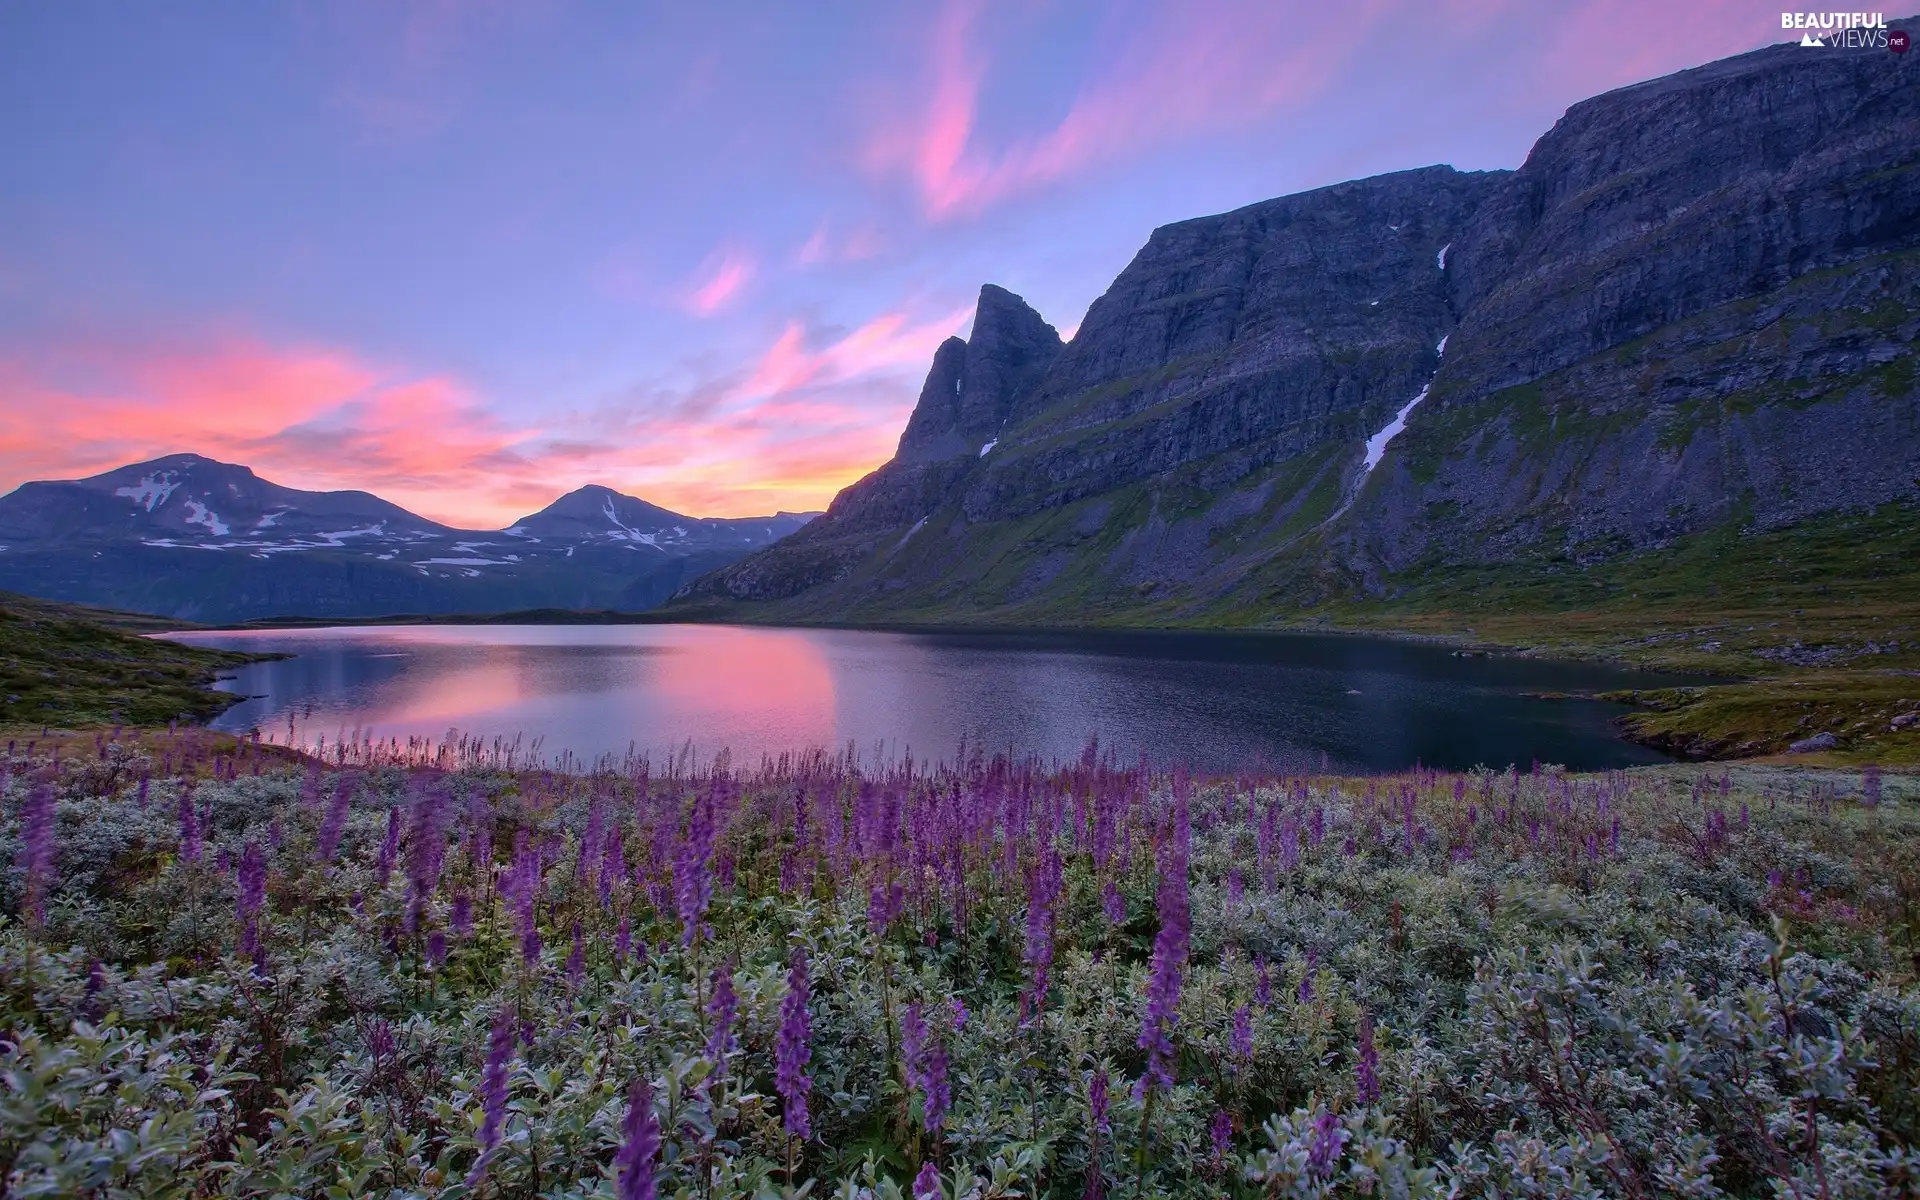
[(926, 1185), (1329, 1138), (426, 849), (189, 826), (1243, 1033), (577, 956), (1045, 887), (327, 846), (37, 849), (693, 872), (1098, 1102), (721, 1008), (1220, 1130), (250, 895), (793, 1049), (493, 1089), (1366, 1067), (640, 1145), (1170, 950), (389, 848)]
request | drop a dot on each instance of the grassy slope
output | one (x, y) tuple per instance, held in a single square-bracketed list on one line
[(64, 665), (1821, 621)]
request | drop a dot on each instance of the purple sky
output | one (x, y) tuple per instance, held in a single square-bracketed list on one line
[(471, 255)]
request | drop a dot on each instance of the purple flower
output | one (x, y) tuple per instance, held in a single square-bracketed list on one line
[(250, 895), (335, 822), (938, 1093), (437, 948), (1263, 984), (1306, 977), (1114, 903), (426, 849), (623, 941), (693, 872), (926, 1185), (913, 1041), (526, 888), (389, 848), (493, 1089), (577, 957), (721, 1008), (1045, 886), (613, 867), (633, 1165), (1243, 1032), (793, 1049), (1366, 1068), (37, 850), (884, 905), (189, 826), (1097, 1103), (959, 1014), (1170, 948), (1328, 1140), (926, 1067), (462, 915), (1221, 1131)]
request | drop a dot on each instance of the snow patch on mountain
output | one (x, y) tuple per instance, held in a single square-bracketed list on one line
[(152, 490), (200, 514)]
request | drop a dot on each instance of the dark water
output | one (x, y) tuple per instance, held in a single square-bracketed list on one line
[(1215, 702)]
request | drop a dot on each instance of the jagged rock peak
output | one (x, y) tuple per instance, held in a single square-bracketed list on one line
[(974, 384)]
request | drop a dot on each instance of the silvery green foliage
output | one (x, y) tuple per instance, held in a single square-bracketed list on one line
[(1686, 1005)]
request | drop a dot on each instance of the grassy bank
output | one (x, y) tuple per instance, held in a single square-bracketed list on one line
[(1817, 627), (68, 666)]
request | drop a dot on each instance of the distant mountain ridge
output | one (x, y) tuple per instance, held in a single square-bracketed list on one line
[(1695, 308), (190, 537)]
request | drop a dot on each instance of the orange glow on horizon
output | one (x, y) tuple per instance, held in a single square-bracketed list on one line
[(788, 433)]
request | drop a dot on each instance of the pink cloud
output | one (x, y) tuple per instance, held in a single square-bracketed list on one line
[(723, 276), (804, 418), (1182, 72), (856, 245)]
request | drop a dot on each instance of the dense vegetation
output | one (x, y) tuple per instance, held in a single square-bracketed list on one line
[(63, 665), (409, 972)]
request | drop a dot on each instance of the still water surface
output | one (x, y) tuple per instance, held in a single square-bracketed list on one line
[(1215, 702)]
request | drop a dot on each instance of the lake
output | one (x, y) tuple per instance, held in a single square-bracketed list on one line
[(1213, 701)]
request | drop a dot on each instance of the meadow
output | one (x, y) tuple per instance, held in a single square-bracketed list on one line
[(226, 970)]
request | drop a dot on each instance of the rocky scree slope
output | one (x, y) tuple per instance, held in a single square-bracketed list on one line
[(1695, 306), (192, 538)]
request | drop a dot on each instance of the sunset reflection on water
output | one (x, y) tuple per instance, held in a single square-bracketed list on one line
[(1211, 701)]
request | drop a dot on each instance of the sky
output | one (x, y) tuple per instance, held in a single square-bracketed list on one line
[(471, 254)]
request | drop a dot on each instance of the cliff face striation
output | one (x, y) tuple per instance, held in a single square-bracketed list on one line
[(1694, 307)]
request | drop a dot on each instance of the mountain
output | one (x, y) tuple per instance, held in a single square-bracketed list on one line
[(600, 514), (1691, 313), (196, 539)]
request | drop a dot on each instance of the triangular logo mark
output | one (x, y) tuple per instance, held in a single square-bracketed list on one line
[(1810, 40)]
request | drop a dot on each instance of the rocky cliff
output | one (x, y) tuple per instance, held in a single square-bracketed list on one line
[(1695, 306)]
